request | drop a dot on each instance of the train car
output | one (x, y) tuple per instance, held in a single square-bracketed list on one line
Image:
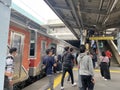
[(43, 41), (19, 37), (31, 40)]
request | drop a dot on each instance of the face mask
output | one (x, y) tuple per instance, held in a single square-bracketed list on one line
[(15, 54)]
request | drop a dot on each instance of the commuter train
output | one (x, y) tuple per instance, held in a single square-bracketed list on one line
[(31, 41)]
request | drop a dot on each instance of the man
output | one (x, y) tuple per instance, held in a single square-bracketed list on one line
[(86, 70), (67, 66), (8, 84), (109, 55), (73, 61), (49, 62)]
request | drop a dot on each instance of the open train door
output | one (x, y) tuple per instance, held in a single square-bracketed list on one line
[(17, 40)]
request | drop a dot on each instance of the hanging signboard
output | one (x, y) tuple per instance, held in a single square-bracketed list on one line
[(102, 38)]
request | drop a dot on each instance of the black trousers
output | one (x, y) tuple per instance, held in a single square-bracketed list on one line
[(70, 73), (87, 83), (109, 62), (104, 70), (6, 82)]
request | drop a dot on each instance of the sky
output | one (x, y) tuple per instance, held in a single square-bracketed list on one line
[(37, 8)]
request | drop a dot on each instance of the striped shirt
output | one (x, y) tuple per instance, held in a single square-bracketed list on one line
[(9, 65)]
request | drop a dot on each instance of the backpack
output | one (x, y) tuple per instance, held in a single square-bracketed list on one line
[(67, 62)]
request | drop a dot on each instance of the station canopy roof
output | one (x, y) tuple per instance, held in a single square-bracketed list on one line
[(79, 15)]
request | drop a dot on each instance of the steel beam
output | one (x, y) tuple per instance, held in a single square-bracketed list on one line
[(113, 25), (69, 19), (4, 28), (60, 15), (118, 41), (110, 10), (93, 11), (100, 6), (115, 10), (62, 7), (75, 13)]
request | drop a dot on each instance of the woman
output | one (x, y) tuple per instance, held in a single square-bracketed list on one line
[(104, 66)]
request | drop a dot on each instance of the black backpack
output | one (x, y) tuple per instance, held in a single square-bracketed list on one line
[(67, 62)]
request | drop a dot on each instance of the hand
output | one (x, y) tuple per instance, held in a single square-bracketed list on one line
[(11, 83), (93, 80), (55, 65), (8, 74)]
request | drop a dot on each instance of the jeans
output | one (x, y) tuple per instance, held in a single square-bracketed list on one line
[(50, 83)]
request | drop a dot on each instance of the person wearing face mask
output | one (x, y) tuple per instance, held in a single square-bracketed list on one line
[(9, 69)]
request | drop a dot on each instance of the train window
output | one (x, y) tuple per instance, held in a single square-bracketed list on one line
[(32, 43), (43, 46), (17, 41)]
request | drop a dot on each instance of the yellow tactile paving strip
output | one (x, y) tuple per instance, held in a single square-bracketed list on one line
[(58, 79)]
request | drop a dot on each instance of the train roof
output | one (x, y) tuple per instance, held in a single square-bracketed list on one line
[(23, 21)]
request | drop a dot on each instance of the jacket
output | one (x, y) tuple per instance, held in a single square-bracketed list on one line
[(86, 65)]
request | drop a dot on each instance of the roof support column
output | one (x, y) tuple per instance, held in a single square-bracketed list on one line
[(82, 38), (118, 41), (4, 28)]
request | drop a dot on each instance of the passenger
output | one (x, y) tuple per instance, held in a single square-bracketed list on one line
[(92, 42), (55, 59), (94, 59), (104, 67), (86, 70), (48, 61), (59, 63), (76, 58), (73, 61), (67, 66), (9, 69), (94, 46), (87, 46), (109, 54)]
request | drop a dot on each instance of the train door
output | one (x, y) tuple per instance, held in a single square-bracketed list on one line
[(43, 48), (17, 40), (43, 51)]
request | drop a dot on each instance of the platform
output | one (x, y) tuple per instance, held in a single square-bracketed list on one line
[(100, 84)]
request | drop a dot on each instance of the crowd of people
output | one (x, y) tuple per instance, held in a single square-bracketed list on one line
[(85, 60)]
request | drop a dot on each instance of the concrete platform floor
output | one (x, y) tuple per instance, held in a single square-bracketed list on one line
[(101, 84)]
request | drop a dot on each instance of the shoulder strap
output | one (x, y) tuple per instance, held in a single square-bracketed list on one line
[(103, 59)]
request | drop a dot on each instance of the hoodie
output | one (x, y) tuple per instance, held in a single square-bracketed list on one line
[(86, 65)]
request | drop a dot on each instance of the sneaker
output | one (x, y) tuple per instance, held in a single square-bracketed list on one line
[(62, 88), (105, 79), (74, 84), (58, 72)]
